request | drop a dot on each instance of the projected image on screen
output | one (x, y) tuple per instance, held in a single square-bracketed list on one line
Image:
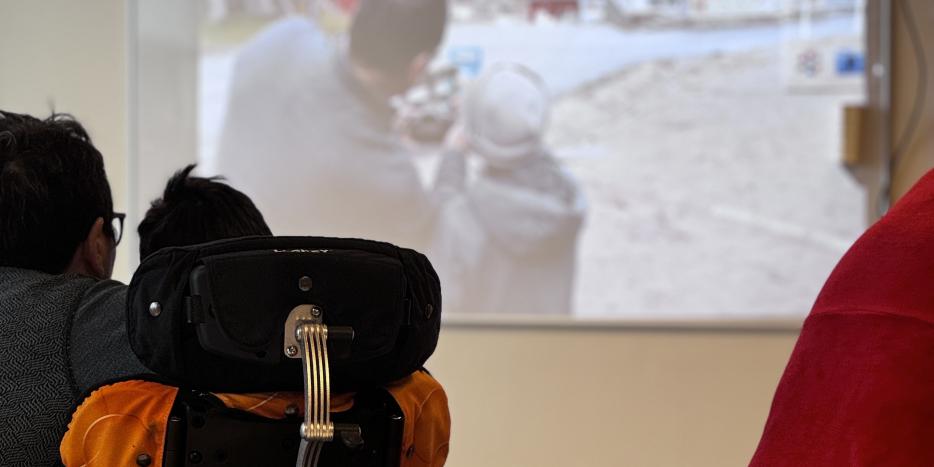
[(627, 158)]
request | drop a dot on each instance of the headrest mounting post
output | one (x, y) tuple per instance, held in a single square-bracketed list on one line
[(306, 338)]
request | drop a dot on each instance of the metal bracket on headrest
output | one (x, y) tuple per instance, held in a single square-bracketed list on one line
[(298, 315), (306, 337)]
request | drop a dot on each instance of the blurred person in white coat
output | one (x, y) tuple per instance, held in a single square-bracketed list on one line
[(308, 133), (506, 238)]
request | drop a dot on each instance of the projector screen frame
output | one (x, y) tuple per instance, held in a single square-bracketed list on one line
[(163, 53)]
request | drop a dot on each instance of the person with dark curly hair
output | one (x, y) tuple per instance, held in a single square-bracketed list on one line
[(62, 320)]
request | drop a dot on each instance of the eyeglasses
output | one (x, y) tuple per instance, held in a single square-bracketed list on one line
[(116, 226)]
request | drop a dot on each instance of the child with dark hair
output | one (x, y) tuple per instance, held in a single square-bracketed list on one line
[(195, 210)]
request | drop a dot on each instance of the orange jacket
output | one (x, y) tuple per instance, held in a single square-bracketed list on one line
[(119, 422)]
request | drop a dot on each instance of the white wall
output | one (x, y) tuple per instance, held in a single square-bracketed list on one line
[(618, 397), (163, 73), (71, 56), (78, 57)]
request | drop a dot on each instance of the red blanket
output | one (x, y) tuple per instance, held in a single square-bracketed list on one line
[(859, 388)]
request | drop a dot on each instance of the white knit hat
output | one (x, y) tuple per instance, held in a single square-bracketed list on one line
[(505, 114)]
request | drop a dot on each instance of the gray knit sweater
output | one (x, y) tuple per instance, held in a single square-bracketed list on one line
[(60, 335)]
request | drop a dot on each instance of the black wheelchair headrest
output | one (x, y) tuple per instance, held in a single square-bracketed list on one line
[(212, 316)]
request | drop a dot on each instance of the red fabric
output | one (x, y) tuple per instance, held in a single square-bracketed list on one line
[(859, 388)]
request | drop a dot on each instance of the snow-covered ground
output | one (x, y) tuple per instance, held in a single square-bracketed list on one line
[(713, 191), (715, 195)]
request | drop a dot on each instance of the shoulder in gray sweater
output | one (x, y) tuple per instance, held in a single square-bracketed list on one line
[(60, 336)]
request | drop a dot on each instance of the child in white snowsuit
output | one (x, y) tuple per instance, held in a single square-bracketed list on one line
[(506, 236)]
